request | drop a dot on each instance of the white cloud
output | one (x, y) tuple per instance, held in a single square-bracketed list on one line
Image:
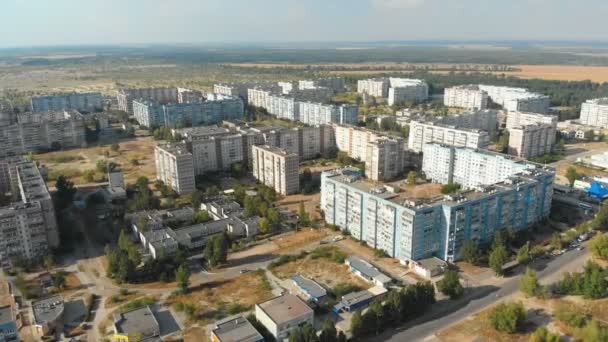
[(397, 4)]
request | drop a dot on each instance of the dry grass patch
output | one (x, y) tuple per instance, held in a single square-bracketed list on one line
[(218, 299), (300, 239), (196, 334)]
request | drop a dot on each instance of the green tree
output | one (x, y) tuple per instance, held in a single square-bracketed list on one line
[(569, 315), (115, 147), (249, 207), (594, 332), (65, 192), (303, 217), (508, 317), (594, 281), (356, 325), (503, 142), (572, 175), (450, 284), (203, 216), (450, 188), (263, 225), (528, 284), (470, 252), (182, 277), (329, 332), (411, 178), (599, 246), (541, 334), (274, 219), (556, 241), (89, 176), (498, 258), (523, 254)]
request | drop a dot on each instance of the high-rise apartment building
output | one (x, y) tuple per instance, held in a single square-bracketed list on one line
[(412, 225), (595, 113), (276, 168), (422, 133), (377, 87), (213, 109), (384, 159), (530, 141), (42, 131), (28, 228), (126, 97), (320, 114), (241, 89), (517, 99), (83, 102), (397, 90), (175, 167), (466, 96), (336, 84)]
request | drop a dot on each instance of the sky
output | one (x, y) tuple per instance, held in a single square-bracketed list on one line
[(97, 22)]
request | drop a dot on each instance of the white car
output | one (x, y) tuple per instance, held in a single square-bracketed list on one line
[(338, 238)]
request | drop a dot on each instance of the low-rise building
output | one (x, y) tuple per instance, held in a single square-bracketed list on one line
[(276, 168), (235, 329), (358, 300), (175, 167), (573, 129), (136, 325), (367, 271), (308, 289), (281, 315), (48, 315), (429, 267)]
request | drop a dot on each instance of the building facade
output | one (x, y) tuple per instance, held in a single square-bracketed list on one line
[(517, 99), (87, 102), (384, 158), (283, 314), (175, 167), (411, 229), (126, 97), (404, 89), (28, 228), (276, 168), (595, 113), (321, 114), (42, 131), (530, 141), (467, 96), (377, 87), (422, 133)]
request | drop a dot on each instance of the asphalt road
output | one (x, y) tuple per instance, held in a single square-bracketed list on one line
[(426, 327)]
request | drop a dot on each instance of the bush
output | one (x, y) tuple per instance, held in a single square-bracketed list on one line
[(508, 317), (570, 316), (343, 289), (450, 284), (450, 188)]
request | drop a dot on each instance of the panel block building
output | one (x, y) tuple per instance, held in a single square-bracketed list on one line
[(466, 96), (175, 167), (87, 102), (595, 113), (517, 99), (276, 168), (414, 225), (422, 133), (531, 134)]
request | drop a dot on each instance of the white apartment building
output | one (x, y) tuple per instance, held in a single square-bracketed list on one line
[(126, 97), (595, 113), (422, 133), (283, 107), (175, 167), (242, 89), (276, 168), (336, 84), (466, 96), (28, 228), (87, 102), (287, 87), (377, 87), (517, 99), (405, 89), (517, 119), (471, 168), (321, 114), (485, 120), (41, 131), (533, 140), (384, 158)]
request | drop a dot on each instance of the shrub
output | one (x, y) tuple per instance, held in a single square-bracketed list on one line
[(508, 317)]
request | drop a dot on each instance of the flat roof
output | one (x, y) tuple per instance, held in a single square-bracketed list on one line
[(236, 329), (139, 320), (7, 314), (368, 269), (431, 263), (275, 150), (311, 287), (285, 308), (47, 309)]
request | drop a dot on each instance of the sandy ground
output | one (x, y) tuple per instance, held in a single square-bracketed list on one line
[(140, 149), (311, 202)]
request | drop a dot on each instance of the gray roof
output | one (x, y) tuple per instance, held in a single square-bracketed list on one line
[(311, 287), (356, 297), (140, 320), (368, 270), (236, 329), (285, 308), (7, 314), (187, 234), (47, 309)]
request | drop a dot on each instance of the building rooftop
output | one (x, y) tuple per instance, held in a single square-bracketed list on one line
[(201, 131), (7, 314), (601, 101), (311, 287), (186, 234), (174, 148), (276, 150), (6, 295), (236, 329), (368, 269), (139, 320), (285, 308), (47, 309)]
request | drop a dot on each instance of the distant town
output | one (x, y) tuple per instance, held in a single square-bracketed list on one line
[(291, 211)]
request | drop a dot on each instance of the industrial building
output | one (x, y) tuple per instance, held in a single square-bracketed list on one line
[(28, 228), (466, 96), (41, 131), (175, 167), (417, 223), (276, 168), (82, 102), (595, 113)]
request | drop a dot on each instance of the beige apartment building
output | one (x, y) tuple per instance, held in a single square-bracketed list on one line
[(465, 96), (422, 133), (531, 140), (175, 167), (276, 168), (384, 159)]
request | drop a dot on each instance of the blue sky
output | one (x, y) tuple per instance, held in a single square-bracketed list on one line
[(51, 22)]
